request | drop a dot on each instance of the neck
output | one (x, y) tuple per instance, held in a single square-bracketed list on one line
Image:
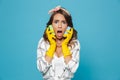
[(59, 42)]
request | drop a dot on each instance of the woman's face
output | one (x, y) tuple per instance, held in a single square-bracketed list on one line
[(59, 25)]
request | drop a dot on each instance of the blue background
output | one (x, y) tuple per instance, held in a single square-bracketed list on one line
[(22, 23)]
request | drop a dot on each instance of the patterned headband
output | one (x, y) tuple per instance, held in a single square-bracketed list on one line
[(56, 9)]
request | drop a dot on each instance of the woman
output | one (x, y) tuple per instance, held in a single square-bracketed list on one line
[(58, 50)]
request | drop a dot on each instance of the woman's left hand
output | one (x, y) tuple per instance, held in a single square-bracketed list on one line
[(65, 49)]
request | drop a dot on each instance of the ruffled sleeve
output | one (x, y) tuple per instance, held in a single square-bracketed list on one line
[(73, 64), (42, 65)]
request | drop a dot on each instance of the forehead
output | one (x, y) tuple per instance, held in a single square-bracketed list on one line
[(58, 16)]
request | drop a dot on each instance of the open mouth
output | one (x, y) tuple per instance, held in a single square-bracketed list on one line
[(59, 31)]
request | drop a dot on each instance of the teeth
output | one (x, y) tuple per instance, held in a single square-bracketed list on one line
[(59, 31)]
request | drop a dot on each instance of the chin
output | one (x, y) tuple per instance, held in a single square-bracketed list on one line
[(59, 37)]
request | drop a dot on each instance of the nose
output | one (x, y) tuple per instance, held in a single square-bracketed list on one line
[(60, 25)]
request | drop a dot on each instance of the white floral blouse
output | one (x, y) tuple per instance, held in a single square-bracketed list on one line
[(57, 69)]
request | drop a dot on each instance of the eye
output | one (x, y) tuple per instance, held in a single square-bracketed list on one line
[(64, 22), (56, 21)]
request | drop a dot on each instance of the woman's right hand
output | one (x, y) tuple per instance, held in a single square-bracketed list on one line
[(51, 38)]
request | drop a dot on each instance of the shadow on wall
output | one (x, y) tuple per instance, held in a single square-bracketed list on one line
[(83, 73)]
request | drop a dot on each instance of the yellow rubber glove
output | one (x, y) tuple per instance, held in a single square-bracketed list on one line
[(51, 38), (65, 49)]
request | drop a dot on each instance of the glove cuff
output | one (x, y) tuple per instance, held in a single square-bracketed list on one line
[(66, 51), (51, 51)]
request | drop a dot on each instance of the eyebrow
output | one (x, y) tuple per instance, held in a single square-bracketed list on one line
[(59, 20)]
